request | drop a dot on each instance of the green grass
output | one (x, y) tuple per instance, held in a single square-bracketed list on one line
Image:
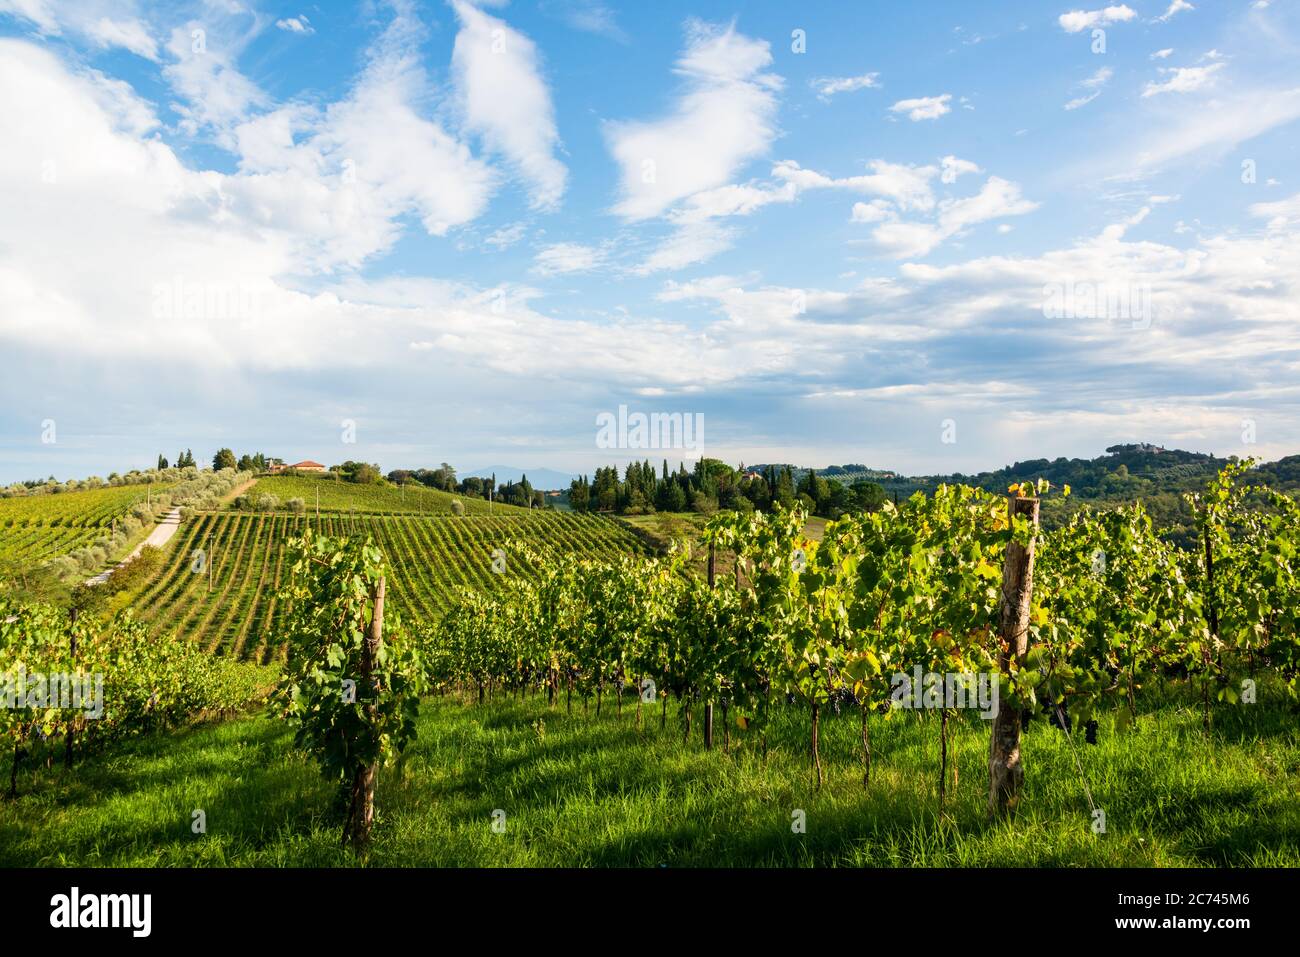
[(599, 792), (410, 499)]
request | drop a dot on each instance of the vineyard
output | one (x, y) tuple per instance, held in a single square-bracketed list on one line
[(219, 587), (406, 499), (943, 586), (37, 527), (734, 700)]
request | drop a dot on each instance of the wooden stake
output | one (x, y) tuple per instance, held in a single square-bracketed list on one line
[(1006, 774), (708, 705), (361, 814)]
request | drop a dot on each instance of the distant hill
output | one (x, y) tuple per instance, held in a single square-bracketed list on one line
[(544, 479), (1155, 475)]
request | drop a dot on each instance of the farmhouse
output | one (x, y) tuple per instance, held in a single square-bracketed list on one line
[(305, 466)]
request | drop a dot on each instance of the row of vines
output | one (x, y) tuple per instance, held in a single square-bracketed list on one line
[(922, 587), (74, 683), (220, 586)]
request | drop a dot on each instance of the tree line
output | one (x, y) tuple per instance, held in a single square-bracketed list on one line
[(443, 478), (712, 485)]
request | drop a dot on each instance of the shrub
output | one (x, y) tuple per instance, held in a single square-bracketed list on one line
[(296, 505), (703, 504), (135, 572)]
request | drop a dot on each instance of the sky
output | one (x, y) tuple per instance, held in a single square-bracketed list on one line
[(929, 237)]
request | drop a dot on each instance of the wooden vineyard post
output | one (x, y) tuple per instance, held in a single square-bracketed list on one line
[(1006, 773), (1212, 619), (361, 813), (708, 705), (67, 755)]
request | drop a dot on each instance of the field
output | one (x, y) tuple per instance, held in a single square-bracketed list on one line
[(36, 527), (235, 613), (577, 790), (409, 499)]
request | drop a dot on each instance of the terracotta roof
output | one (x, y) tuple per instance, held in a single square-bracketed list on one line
[(308, 464)]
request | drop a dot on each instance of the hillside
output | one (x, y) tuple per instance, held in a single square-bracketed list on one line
[(1155, 476), (36, 527), (380, 499), (219, 581)]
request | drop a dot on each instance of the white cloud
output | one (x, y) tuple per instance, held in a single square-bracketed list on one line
[(733, 200), (128, 34), (563, 258), (873, 212), (998, 198), (1281, 214), (926, 346), (688, 244), (298, 24), (1078, 20), (217, 96), (506, 100), (338, 180), (1163, 54), (39, 12), (1217, 126), (828, 86), (953, 167), (923, 107), (590, 16), (697, 238), (1187, 79), (724, 118), (898, 187), (1093, 83), (507, 236), (105, 24), (1177, 6), (908, 186)]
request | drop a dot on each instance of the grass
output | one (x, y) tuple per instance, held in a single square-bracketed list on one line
[(599, 792)]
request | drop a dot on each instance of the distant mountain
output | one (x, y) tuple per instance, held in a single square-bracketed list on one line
[(545, 479)]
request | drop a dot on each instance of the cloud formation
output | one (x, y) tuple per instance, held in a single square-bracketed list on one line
[(506, 100), (924, 107), (724, 117)]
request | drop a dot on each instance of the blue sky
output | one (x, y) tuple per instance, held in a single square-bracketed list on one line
[(929, 237)]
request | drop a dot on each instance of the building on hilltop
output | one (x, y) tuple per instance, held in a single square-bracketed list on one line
[(305, 466)]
